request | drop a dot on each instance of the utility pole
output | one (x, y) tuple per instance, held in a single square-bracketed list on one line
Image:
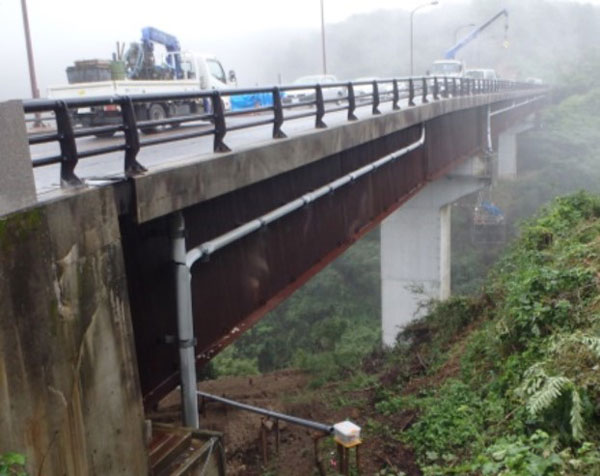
[(323, 37), (35, 92)]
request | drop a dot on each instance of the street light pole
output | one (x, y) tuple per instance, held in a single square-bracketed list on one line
[(323, 37), (412, 38), (32, 79)]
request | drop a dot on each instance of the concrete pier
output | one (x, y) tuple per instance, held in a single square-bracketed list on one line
[(416, 245)]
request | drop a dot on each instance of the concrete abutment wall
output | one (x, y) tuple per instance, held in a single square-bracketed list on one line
[(69, 389)]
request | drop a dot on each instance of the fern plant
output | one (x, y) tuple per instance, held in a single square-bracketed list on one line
[(541, 391)]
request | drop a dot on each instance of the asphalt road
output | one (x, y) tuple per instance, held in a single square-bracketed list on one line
[(101, 169)]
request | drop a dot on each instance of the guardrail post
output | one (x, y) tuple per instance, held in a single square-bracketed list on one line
[(68, 147), (454, 88), (376, 98), (351, 102), (411, 92), (220, 126), (132, 138), (319, 124), (396, 95), (436, 89), (424, 98), (277, 115), (446, 91)]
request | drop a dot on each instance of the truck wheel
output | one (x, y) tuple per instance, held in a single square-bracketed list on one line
[(155, 113)]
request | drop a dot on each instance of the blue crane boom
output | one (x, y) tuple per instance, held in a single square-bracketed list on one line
[(171, 44), (150, 33), (451, 53)]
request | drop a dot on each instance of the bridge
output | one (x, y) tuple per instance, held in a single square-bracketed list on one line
[(117, 284)]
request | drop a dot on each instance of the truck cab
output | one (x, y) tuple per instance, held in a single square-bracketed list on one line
[(449, 68), (205, 69)]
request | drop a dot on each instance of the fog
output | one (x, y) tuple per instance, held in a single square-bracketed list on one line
[(268, 40)]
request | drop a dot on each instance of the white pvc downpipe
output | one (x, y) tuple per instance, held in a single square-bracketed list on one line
[(490, 146), (514, 106), (185, 324)]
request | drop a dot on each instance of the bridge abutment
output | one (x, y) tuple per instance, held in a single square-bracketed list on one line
[(70, 397), (416, 247)]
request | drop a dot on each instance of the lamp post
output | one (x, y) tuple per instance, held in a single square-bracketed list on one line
[(412, 14), (32, 79), (323, 37), (460, 28)]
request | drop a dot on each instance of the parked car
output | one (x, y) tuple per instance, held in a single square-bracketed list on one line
[(297, 96), (364, 92), (481, 73), (534, 81)]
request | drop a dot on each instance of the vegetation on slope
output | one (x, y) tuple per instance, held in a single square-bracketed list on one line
[(524, 396)]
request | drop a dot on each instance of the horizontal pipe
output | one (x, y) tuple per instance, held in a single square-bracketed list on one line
[(43, 138), (514, 106), (55, 159), (313, 425), (209, 247)]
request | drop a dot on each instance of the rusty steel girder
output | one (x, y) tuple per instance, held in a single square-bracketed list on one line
[(242, 282)]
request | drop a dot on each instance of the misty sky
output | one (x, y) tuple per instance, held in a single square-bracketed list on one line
[(67, 30)]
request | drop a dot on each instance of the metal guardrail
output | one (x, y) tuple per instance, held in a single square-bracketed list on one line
[(320, 98)]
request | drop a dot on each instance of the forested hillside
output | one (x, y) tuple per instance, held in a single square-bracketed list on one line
[(546, 39)]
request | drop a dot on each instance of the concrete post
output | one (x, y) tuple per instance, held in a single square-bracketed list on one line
[(17, 186), (416, 250)]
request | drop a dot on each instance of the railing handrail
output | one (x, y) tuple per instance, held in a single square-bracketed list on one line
[(383, 90)]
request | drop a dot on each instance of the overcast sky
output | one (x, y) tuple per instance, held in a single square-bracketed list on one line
[(66, 30)]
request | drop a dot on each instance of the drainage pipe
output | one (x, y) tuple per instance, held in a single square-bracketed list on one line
[(207, 248), (185, 323), (490, 146), (514, 106), (276, 415)]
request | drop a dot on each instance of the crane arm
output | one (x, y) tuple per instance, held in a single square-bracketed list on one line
[(171, 44), (451, 53), (150, 33)]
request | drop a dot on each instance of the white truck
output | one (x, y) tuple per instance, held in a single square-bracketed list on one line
[(450, 68), (178, 71)]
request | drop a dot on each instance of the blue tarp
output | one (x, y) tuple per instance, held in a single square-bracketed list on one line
[(492, 209), (250, 101)]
